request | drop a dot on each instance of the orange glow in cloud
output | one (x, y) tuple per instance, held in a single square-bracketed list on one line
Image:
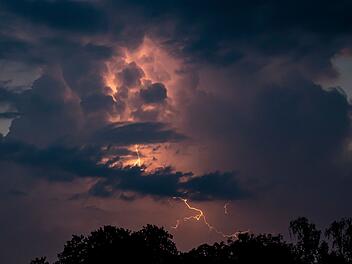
[(156, 63), (157, 66), (110, 80)]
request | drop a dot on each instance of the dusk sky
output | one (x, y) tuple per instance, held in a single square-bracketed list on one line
[(113, 112)]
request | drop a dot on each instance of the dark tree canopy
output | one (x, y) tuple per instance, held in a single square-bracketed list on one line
[(151, 244)]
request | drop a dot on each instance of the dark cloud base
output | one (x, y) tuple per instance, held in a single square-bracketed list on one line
[(63, 164)]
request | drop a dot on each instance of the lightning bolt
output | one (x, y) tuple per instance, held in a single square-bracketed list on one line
[(177, 224), (200, 216), (225, 208), (138, 161)]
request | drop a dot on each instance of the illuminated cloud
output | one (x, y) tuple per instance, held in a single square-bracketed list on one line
[(230, 86)]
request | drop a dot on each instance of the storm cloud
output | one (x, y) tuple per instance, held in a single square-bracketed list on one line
[(119, 95), (154, 93), (65, 164)]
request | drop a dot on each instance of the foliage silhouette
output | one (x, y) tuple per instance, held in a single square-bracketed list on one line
[(341, 234), (41, 260), (152, 244), (308, 239)]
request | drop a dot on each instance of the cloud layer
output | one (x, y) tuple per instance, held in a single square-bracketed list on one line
[(220, 101)]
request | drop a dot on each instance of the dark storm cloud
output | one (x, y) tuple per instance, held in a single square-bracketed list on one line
[(301, 118), (7, 96), (49, 111), (137, 133), (47, 49), (163, 183), (69, 91), (80, 16), (298, 134), (219, 33), (131, 75), (58, 163), (223, 32), (283, 121), (82, 66), (166, 183), (293, 125), (217, 185), (207, 30), (12, 47), (51, 100), (99, 102), (154, 93)]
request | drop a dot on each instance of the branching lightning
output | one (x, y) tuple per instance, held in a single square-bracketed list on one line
[(200, 216), (199, 213)]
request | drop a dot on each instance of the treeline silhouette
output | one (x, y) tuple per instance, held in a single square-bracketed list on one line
[(152, 244)]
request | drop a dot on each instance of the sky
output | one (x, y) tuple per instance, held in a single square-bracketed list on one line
[(134, 112)]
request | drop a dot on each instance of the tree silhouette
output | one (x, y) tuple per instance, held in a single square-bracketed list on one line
[(151, 244), (155, 245), (308, 239), (111, 244), (75, 251), (108, 245), (340, 232), (264, 248)]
